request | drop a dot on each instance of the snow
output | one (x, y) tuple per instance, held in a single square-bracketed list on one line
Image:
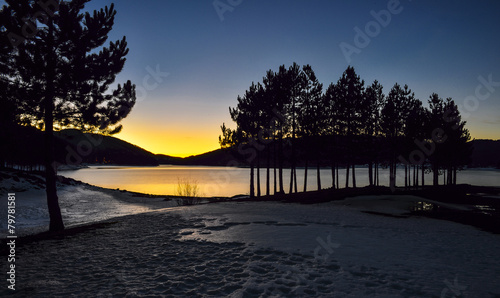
[(252, 249), (415, 255), (79, 203)]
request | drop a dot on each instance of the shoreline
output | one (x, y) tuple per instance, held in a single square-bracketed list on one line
[(477, 206)]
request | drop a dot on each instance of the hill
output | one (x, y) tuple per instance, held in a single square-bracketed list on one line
[(219, 157), (94, 148), (23, 146), (486, 153)]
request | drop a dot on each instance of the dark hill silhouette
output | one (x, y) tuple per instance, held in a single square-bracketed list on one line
[(485, 153), (219, 157), (72, 147), (23, 147), (75, 147), (93, 148)]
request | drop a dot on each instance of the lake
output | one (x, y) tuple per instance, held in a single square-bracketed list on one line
[(229, 181)]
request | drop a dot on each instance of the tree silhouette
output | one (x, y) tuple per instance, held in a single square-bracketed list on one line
[(452, 150), (61, 78), (458, 147), (310, 119), (269, 82), (353, 125), (295, 83), (350, 97), (372, 102), (393, 123), (331, 124), (408, 104), (247, 117), (282, 96), (227, 139), (436, 124), (415, 129)]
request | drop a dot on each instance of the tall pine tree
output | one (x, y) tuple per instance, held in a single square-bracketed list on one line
[(62, 74)]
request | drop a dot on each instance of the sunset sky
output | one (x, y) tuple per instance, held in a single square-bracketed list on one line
[(212, 57)]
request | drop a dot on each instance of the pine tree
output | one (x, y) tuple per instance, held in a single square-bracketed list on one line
[(311, 119), (61, 78), (350, 89), (372, 101), (436, 126), (457, 147), (247, 115), (392, 122), (331, 129)]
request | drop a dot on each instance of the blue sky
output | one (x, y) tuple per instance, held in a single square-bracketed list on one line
[(432, 46)]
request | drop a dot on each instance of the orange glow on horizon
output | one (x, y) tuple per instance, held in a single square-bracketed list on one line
[(172, 143)]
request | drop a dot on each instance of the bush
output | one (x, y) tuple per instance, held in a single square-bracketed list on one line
[(188, 192)]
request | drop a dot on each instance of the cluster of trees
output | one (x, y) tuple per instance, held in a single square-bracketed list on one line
[(289, 117), (56, 73)]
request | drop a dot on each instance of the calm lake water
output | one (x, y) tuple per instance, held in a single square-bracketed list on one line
[(229, 181)]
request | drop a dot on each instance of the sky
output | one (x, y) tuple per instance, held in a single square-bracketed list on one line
[(191, 59)]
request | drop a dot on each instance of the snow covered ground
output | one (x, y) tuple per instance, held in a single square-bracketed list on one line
[(79, 203), (247, 249)]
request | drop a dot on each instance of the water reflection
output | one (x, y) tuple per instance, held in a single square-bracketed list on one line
[(229, 181)]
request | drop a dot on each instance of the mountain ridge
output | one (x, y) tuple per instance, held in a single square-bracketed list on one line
[(74, 147)]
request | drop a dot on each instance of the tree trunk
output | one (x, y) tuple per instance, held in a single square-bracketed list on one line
[(274, 169), (370, 173), (435, 172), (416, 175), (455, 176), (56, 222), (305, 174), (258, 174), (423, 177), (295, 180), (392, 176), (406, 176), (337, 174), (282, 189), (353, 176), (267, 169), (318, 175), (347, 167), (333, 175), (252, 186)]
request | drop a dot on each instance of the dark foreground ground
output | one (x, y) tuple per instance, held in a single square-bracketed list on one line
[(170, 252)]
